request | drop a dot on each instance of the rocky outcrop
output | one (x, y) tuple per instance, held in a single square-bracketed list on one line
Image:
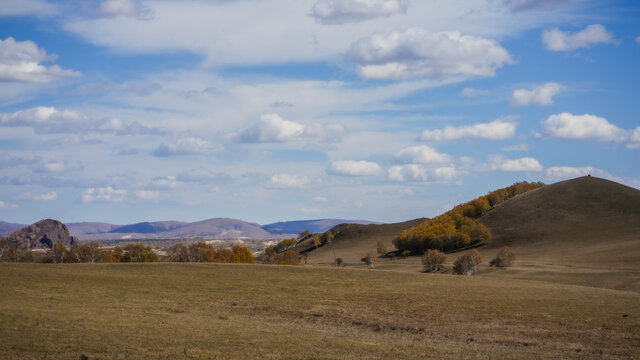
[(43, 234)]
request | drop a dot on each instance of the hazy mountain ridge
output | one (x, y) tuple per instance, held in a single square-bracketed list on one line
[(221, 228)]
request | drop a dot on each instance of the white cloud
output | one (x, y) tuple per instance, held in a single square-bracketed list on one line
[(348, 11), (310, 210), (57, 166), (638, 40), (288, 181), (499, 129), (582, 127), (540, 95), (272, 128), (4, 205), (50, 196), (570, 172), (28, 7), (634, 138), (203, 176), (421, 173), (20, 61), (557, 40), (128, 8), (420, 53), (518, 147), (421, 155), (515, 165), (471, 92), (107, 194), (46, 120), (147, 194), (187, 146), (163, 182), (354, 168), (320, 199)]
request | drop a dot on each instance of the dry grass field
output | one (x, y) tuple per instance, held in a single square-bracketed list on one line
[(209, 311)]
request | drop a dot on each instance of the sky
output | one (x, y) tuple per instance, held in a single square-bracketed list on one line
[(124, 111)]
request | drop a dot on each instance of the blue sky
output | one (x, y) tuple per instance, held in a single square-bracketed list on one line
[(268, 110)]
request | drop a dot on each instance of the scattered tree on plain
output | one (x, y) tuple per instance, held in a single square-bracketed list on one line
[(467, 264), (505, 258), (433, 260), (382, 248), (370, 258)]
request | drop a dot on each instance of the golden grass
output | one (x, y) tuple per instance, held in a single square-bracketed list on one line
[(209, 311)]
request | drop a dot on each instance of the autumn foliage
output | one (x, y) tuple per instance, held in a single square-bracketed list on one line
[(467, 264), (203, 252), (505, 258), (433, 260), (457, 228)]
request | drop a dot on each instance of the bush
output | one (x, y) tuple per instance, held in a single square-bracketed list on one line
[(339, 262), (468, 263), (433, 260), (369, 259), (505, 258)]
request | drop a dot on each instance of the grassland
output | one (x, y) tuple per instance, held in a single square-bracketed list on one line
[(209, 311)]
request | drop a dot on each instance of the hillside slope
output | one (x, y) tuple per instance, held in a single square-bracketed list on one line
[(352, 241), (571, 211)]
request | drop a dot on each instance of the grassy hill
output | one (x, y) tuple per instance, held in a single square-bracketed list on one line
[(352, 241), (215, 311), (584, 231)]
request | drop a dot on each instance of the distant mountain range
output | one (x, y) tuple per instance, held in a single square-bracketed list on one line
[(219, 228)]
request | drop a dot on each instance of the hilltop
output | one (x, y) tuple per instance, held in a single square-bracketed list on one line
[(44, 233)]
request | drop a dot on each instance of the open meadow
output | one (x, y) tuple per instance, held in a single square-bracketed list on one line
[(208, 311)]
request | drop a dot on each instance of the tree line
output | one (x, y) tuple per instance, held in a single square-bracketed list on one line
[(458, 228)]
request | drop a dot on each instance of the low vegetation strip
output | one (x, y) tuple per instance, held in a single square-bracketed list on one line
[(202, 311)]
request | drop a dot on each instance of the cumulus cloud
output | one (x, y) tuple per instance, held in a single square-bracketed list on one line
[(583, 127), (421, 173), (272, 128), (287, 181), (634, 139), (56, 166), (127, 8), (348, 11), (50, 196), (46, 120), (187, 146), (354, 168), (540, 95), (471, 92), (557, 40), (421, 155), (515, 165), (49, 120), (499, 129), (419, 53), (106, 194), (20, 61)]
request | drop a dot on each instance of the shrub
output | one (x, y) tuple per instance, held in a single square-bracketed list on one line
[(433, 260), (505, 258), (468, 263), (289, 258), (339, 262), (369, 259)]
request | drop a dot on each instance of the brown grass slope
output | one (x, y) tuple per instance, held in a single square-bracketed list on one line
[(354, 240), (583, 231)]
